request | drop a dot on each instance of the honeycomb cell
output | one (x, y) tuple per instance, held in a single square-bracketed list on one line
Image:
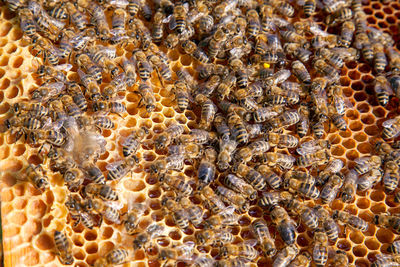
[(90, 235), (372, 243), (343, 245), (379, 112), (363, 203), (360, 96), (356, 237), (78, 240), (385, 235), (362, 263), (357, 85), (337, 150), (372, 130), (364, 148), (350, 143), (359, 251), (18, 218), (91, 248), (44, 242)]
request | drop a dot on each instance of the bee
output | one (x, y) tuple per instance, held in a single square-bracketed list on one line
[(214, 237), (339, 16), (133, 141), (285, 119), (206, 23), (380, 61), (273, 198), (223, 218), (78, 213), (142, 239), (92, 88), (215, 43), (394, 247), (313, 146), (328, 224), (178, 21), (282, 160), (208, 111), (197, 136), (102, 191), (99, 17), (227, 147), (303, 259), (15, 5), (207, 169), (340, 259), (84, 62), (286, 255), (281, 140), (304, 124), (54, 72), (148, 99), (391, 177), (27, 23), (382, 90), (171, 41), (168, 136), (37, 110), (242, 78), (391, 128), (162, 68), (118, 170), (320, 249), (224, 88), (253, 177), (394, 59), (306, 214), (240, 186), (183, 252), (100, 56), (369, 179), (291, 97), (109, 106), (348, 189), (76, 17), (195, 212), (135, 211), (297, 51), (331, 188), (50, 136), (253, 23), (95, 175), (316, 158), (305, 188), (346, 35), (387, 221), (363, 42), (255, 148), (365, 164), (37, 177), (238, 128), (47, 91), (284, 8), (243, 250), (106, 210), (309, 8), (50, 26), (213, 201), (261, 231), (273, 180), (233, 198), (118, 22), (291, 36), (332, 58), (324, 68), (285, 225), (142, 65), (349, 219), (116, 256), (172, 162), (178, 183), (74, 177), (64, 248), (191, 48)]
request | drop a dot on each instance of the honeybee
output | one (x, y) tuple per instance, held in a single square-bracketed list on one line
[(107, 210), (391, 177), (309, 8), (328, 224), (388, 221), (27, 23), (54, 72), (261, 231), (339, 16), (369, 179), (78, 213), (233, 198), (346, 35), (285, 225), (116, 256), (253, 177), (47, 91), (213, 201), (227, 147), (50, 136), (214, 237), (142, 65), (340, 259), (324, 68), (130, 72), (102, 191), (76, 17), (162, 69), (362, 42), (148, 99), (285, 120), (114, 87), (291, 97), (292, 36), (382, 90), (255, 148), (177, 183), (64, 248), (224, 88), (142, 239), (117, 170), (365, 164), (195, 212), (84, 62), (286, 255), (306, 214), (394, 59), (37, 110), (394, 247), (281, 140), (95, 174), (349, 219), (263, 114), (172, 162), (135, 211), (208, 111), (133, 141), (50, 26), (331, 188), (15, 5), (253, 23), (303, 187), (348, 189), (273, 198), (243, 250), (238, 128), (92, 88), (391, 128), (182, 252), (273, 180), (191, 48), (74, 177), (71, 108), (380, 60), (207, 169), (223, 218), (317, 158), (282, 160), (299, 52), (168, 136), (197, 136), (240, 186), (313, 146), (304, 124), (320, 249), (109, 107), (100, 56), (37, 177)]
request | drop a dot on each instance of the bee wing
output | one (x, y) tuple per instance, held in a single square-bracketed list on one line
[(115, 204), (113, 165), (335, 165), (388, 123), (362, 160), (228, 210), (300, 2), (176, 149), (155, 230), (64, 67), (250, 242), (171, 22), (316, 30), (119, 3)]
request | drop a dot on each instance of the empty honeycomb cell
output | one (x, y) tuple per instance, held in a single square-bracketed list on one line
[(90, 235), (371, 20), (11, 48), (345, 134), (134, 185), (16, 34), (79, 254), (379, 15), (368, 119), (350, 143), (366, 215), (37, 208), (357, 86), (78, 240), (364, 148), (355, 126), (360, 96), (91, 248), (44, 242), (155, 193), (157, 118), (372, 130), (360, 137), (337, 150), (18, 150), (5, 28), (354, 75), (385, 235), (107, 232), (356, 237), (18, 218), (335, 139), (16, 62), (47, 220), (362, 263), (352, 114), (352, 154), (391, 20), (35, 160), (19, 203), (30, 256), (12, 92), (359, 251), (4, 152), (344, 244), (363, 203), (175, 235), (368, 11), (372, 243), (379, 112), (378, 208), (5, 83), (131, 109), (383, 24), (168, 112)]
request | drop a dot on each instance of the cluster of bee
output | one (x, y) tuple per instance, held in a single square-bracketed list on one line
[(262, 82)]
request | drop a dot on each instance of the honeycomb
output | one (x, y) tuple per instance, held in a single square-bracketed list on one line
[(29, 218)]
